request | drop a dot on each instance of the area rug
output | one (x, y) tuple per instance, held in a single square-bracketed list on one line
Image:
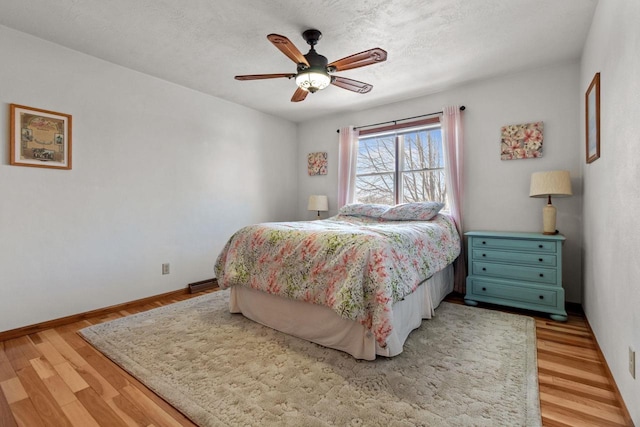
[(465, 367)]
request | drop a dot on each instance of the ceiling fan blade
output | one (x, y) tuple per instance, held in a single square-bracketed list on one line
[(368, 57), (299, 95), (264, 76), (352, 85), (285, 46)]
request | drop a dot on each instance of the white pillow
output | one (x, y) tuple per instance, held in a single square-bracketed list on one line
[(419, 211), (371, 210)]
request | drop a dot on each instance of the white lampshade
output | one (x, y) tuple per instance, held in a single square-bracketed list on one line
[(547, 184), (318, 203), (312, 80), (553, 183)]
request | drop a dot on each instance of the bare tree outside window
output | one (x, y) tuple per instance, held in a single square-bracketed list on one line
[(375, 175), (401, 167)]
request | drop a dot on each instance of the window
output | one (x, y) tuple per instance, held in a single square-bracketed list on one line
[(400, 164)]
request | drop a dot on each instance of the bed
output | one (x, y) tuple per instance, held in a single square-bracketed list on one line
[(359, 282)]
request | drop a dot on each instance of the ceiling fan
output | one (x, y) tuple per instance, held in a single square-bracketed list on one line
[(314, 72)]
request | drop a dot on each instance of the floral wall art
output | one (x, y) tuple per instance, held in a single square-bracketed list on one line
[(317, 163), (521, 141)]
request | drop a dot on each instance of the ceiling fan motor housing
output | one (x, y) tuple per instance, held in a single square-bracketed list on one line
[(315, 60)]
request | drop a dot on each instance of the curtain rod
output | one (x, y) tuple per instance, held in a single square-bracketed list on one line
[(462, 108)]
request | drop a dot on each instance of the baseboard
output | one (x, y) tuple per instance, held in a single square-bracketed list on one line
[(625, 411), (38, 327), (203, 285)]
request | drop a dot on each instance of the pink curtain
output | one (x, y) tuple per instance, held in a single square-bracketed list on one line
[(347, 163), (452, 138)]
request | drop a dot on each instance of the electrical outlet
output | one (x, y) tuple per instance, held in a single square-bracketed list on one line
[(165, 268), (632, 363)]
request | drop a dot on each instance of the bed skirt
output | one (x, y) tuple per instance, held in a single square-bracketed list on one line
[(323, 326)]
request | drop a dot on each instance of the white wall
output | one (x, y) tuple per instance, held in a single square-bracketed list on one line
[(612, 192), (160, 174), (496, 191)]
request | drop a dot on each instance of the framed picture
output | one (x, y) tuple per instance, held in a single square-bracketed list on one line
[(522, 141), (317, 163), (39, 138), (592, 119)]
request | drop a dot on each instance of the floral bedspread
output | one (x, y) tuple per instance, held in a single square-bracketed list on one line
[(358, 266)]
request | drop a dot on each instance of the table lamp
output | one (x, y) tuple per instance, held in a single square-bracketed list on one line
[(547, 184), (318, 203)]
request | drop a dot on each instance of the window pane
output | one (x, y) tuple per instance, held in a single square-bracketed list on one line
[(375, 189), (420, 166), (423, 150), (424, 186), (376, 154)]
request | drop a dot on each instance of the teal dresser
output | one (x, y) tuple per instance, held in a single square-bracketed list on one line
[(522, 270)]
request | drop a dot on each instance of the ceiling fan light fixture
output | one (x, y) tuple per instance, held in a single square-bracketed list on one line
[(313, 80)]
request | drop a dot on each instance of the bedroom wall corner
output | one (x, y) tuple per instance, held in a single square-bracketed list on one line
[(496, 191), (161, 173)]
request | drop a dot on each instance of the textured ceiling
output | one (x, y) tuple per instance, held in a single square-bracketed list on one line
[(202, 44)]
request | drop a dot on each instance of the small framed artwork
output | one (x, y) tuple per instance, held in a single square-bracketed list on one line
[(39, 138), (592, 119), (523, 141), (317, 163)]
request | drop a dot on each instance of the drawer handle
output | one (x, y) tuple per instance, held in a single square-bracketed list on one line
[(541, 296), (484, 289), (540, 246), (541, 275), (484, 269), (484, 243), (484, 254), (540, 259)]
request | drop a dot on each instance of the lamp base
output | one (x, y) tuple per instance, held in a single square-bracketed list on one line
[(549, 219), (551, 233)]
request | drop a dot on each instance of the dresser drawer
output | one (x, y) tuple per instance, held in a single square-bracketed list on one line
[(513, 244), (510, 271), (541, 297), (545, 260)]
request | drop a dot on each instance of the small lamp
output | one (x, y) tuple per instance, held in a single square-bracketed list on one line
[(318, 203), (547, 184)]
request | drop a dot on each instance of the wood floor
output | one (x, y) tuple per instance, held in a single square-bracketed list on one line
[(54, 378)]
